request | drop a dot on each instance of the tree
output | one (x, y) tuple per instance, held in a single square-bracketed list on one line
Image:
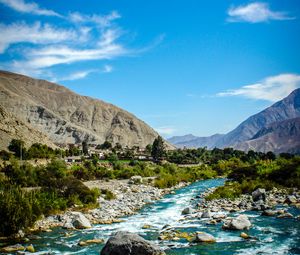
[(158, 148), (148, 149), (85, 148), (18, 147), (106, 145)]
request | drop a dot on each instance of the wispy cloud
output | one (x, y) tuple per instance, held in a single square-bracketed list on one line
[(271, 88), (165, 130), (30, 7), (33, 33), (254, 13), (76, 75), (81, 37), (101, 20)]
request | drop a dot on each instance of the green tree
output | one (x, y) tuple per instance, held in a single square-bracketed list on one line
[(18, 147), (85, 148), (158, 148)]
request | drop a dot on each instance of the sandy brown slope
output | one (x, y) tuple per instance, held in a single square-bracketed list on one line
[(66, 117), (12, 128)]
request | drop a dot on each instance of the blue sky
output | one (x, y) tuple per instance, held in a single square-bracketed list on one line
[(190, 66)]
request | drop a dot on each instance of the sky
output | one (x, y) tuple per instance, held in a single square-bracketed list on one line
[(183, 67)]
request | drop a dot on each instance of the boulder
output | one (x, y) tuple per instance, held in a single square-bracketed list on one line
[(126, 243), (92, 241), (239, 223), (187, 210), (285, 215), (13, 248), (269, 213), (30, 248), (259, 194), (137, 179), (244, 235), (291, 199), (202, 237), (206, 214), (79, 221)]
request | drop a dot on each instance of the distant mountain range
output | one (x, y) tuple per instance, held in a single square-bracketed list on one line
[(277, 128), (40, 111)]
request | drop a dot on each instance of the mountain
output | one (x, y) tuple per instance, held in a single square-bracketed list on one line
[(13, 128), (249, 133), (287, 108), (282, 136), (191, 141), (66, 117)]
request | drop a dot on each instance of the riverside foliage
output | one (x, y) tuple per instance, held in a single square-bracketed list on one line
[(27, 192)]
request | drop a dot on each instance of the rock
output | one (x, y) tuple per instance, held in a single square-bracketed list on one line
[(202, 237), (259, 194), (79, 221), (126, 243), (239, 223), (92, 241), (285, 215), (244, 235), (137, 179), (68, 225), (13, 248), (269, 213), (187, 210), (291, 199), (146, 226), (206, 214), (30, 248)]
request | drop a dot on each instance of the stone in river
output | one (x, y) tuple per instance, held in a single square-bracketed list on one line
[(239, 223), (126, 243), (202, 237)]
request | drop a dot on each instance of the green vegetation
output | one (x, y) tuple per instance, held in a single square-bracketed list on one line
[(27, 192), (267, 174), (158, 149), (55, 189)]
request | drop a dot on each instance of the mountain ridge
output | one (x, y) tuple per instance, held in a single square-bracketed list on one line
[(285, 109), (66, 117)]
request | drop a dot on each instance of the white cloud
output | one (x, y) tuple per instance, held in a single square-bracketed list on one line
[(35, 33), (32, 8), (78, 75), (272, 88), (101, 20), (165, 130), (254, 13)]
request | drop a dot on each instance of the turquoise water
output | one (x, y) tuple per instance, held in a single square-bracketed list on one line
[(275, 236)]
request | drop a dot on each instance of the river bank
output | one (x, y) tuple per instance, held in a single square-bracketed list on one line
[(259, 200), (130, 195), (272, 235)]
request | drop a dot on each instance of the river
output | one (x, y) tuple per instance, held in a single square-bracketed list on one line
[(274, 236)]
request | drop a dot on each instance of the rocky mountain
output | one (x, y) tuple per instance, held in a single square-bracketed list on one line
[(66, 117), (249, 133), (13, 128), (282, 136), (191, 141)]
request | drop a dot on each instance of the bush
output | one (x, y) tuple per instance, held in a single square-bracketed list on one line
[(18, 210)]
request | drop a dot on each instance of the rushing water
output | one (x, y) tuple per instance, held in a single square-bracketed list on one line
[(274, 236)]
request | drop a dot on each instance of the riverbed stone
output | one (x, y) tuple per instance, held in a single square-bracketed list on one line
[(126, 243), (202, 237), (259, 194), (206, 214), (291, 199), (285, 215), (79, 221), (13, 248), (187, 210), (239, 223)]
